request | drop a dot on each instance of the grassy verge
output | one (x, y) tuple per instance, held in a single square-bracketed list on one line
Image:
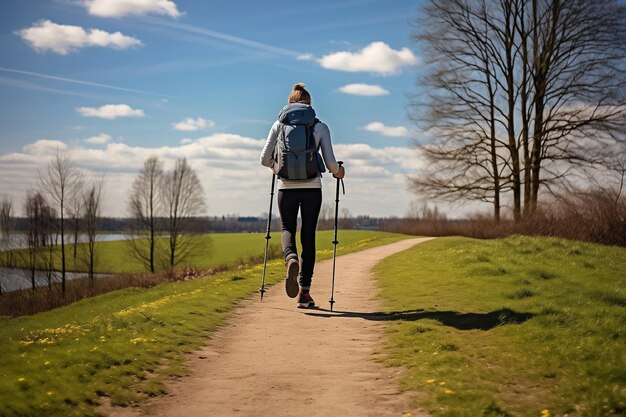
[(511, 327), (210, 250), (125, 343)]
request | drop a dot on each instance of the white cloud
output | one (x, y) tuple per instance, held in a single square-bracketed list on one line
[(120, 8), (229, 169), (392, 131), (100, 139), (192, 125), (305, 57), (44, 147), (377, 58), (361, 89), (63, 39), (110, 111)]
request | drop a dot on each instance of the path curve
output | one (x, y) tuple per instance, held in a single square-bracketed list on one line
[(275, 360)]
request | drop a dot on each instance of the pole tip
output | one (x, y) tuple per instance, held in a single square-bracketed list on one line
[(340, 163), (331, 304), (262, 291)]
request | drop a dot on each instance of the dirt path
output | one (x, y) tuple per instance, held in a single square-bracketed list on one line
[(276, 360)]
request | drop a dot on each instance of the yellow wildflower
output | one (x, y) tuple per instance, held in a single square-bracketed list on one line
[(448, 391), (94, 349), (49, 393), (21, 379), (545, 413), (442, 383), (430, 381), (46, 363), (140, 340)]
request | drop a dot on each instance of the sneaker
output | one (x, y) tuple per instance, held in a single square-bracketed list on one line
[(291, 283), (305, 300)]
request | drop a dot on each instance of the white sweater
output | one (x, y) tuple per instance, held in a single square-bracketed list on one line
[(322, 140)]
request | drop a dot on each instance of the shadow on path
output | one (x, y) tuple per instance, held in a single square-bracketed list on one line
[(461, 321)]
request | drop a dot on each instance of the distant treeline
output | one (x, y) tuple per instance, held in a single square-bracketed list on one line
[(218, 224)]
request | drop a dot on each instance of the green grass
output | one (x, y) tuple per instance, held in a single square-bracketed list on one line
[(509, 327), (211, 250), (123, 344)]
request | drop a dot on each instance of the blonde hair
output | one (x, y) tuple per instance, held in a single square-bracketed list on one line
[(299, 94)]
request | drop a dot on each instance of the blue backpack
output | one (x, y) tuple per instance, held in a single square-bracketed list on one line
[(297, 156)]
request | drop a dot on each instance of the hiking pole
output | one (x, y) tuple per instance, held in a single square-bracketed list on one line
[(335, 241), (267, 237)]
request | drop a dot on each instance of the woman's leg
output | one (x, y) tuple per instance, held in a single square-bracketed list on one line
[(288, 204), (311, 202)]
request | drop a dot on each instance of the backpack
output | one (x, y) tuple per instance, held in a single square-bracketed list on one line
[(297, 156)]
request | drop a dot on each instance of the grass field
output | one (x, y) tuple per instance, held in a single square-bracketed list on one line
[(509, 327), (211, 250), (123, 344)]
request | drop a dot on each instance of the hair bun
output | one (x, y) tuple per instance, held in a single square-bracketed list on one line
[(298, 86)]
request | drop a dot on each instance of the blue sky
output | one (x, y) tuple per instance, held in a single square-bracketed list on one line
[(115, 81)]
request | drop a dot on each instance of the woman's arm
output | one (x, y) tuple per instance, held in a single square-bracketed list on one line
[(327, 148), (267, 155)]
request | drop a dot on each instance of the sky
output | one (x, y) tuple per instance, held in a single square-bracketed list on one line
[(117, 81)]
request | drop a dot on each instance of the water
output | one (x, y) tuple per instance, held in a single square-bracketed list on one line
[(20, 240), (17, 279)]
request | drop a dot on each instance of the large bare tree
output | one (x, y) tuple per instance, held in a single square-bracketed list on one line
[(464, 110), (521, 94), (578, 85), (144, 208), (183, 199), (60, 180)]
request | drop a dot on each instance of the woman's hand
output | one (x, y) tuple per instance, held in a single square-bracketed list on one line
[(341, 173)]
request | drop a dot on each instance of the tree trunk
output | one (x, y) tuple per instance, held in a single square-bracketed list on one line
[(511, 93), (524, 111)]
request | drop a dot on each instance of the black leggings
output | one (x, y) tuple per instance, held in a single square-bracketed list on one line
[(309, 201)]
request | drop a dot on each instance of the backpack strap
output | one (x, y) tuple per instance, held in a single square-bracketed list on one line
[(312, 131)]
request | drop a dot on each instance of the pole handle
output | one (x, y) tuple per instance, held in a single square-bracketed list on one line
[(340, 180)]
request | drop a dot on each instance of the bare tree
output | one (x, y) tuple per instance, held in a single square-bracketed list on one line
[(75, 210), (463, 110), (422, 211), (326, 217), (6, 228), (91, 205), (60, 179), (523, 93), (183, 199), (143, 207), (6, 218), (345, 220), (35, 207), (578, 85)]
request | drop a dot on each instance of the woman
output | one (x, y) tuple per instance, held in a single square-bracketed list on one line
[(299, 194)]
